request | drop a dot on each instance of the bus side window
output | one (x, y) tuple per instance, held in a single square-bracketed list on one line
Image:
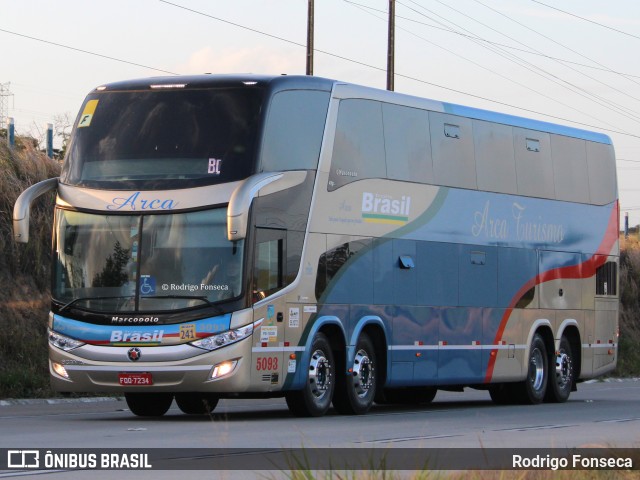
[(358, 149), (269, 258)]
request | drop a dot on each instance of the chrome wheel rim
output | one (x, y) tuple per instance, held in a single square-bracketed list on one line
[(563, 369), (319, 374), (536, 369), (363, 373)]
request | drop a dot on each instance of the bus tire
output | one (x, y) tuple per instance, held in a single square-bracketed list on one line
[(561, 373), (356, 388), (196, 403), (315, 397), (534, 387), (149, 404)]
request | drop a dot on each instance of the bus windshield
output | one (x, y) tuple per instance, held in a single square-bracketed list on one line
[(144, 263), (164, 139)]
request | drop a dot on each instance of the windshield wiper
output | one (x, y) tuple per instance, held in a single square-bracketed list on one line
[(185, 297), (81, 299)]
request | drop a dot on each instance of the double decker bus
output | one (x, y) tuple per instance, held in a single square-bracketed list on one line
[(253, 236)]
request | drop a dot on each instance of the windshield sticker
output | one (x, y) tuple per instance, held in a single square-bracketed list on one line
[(291, 368), (147, 285), (87, 113), (215, 165), (271, 311), (188, 332), (269, 334), (294, 317)]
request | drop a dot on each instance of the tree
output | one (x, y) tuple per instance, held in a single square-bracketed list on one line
[(113, 274), (62, 125)]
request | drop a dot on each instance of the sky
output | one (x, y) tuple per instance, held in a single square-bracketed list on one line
[(572, 62)]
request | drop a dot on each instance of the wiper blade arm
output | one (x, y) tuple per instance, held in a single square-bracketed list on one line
[(80, 299), (185, 297)]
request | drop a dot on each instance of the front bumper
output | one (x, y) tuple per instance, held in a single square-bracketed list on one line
[(178, 368)]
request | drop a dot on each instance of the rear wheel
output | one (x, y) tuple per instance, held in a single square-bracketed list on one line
[(149, 404), (196, 403), (561, 374), (315, 397), (356, 388), (534, 388)]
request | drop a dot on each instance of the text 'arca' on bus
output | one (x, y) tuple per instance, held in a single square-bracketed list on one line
[(163, 138)]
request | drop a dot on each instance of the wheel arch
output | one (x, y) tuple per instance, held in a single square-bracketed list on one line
[(545, 329), (374, 328), (332, 327)]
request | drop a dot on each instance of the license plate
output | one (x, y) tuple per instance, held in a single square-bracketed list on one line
[(134, 379)]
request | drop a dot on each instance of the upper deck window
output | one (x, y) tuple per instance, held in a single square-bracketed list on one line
[(294, 129), (165, 138)]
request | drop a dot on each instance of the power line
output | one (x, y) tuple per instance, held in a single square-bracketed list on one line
[(484, 67), (498, 44), (270, 35), (325, 53), (587, 20), (86, 51), (568, 48), (402, 75), (522, 63), (244, 27), (537, 70), (571, 68)]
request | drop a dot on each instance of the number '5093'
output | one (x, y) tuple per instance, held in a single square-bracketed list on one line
[(267, 363)]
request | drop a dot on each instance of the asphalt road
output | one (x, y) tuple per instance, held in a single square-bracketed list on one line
[(603, 414)]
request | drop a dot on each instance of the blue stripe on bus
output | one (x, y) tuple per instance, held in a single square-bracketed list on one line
[(447, 297), (102, 334)]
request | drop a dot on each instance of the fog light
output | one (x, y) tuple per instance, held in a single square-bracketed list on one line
[(222, 369), (60, 370)]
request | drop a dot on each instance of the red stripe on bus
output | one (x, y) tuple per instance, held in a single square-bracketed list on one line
[(583, 270)]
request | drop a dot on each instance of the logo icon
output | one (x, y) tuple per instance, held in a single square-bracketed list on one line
[(134, 354), (23, 459), (147, 285)]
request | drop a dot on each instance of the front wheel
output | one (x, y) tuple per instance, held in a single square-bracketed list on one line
[(561, 375), (315, 397), (149, 404), (196, 403), (356, 388)]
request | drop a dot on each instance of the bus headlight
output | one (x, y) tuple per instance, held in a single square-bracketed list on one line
[(63, 342), (222, 369), (223, 339), (59, 369)]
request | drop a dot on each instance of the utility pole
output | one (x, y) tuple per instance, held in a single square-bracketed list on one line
[(391, 45), (310, 38), (5, 93)]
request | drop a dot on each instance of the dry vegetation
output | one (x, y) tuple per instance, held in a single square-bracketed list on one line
[(24, 274), (24, 281), (629, 355), (467, 475)]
